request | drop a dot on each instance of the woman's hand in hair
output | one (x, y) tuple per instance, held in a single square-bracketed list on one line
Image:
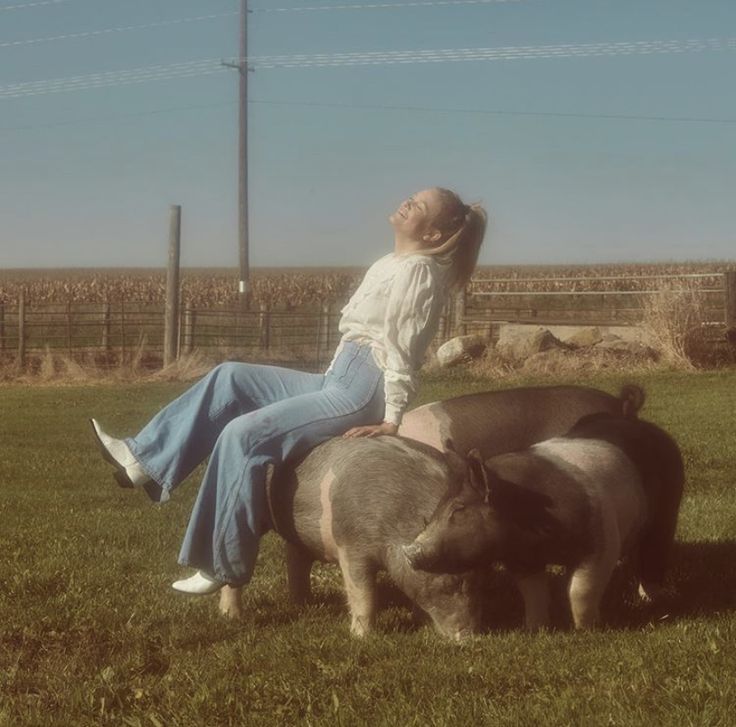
[(372, 430)]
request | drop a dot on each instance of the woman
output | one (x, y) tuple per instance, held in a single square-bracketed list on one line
[(246, 416)]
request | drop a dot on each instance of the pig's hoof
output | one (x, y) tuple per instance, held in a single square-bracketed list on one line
[(359, 627)]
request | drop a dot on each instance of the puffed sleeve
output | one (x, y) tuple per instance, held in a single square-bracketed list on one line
[(411, 321)]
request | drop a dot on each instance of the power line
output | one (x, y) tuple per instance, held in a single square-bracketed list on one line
[(92, 120), (381, 6), (112, 78), (122, 29), (374, 107), (493, 54), (163, 23), (32, 5), (363, 6), (501, 112), (208, 66)]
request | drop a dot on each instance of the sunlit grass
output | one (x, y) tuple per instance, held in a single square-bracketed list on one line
[(90, 632)]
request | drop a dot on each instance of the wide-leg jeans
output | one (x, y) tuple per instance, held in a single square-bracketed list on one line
[(245, 417)]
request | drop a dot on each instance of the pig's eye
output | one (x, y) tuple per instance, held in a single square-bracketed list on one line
[(456, 508)]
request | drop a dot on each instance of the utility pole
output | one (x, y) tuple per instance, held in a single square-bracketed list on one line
[(244, 289)]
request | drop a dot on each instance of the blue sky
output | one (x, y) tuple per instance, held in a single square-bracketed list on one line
[(579, 156)]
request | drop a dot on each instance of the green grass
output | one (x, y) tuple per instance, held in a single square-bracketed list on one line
[(90, 632)]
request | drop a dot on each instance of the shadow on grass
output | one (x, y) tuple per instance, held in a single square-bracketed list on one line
[(704, 577), (701, 583)]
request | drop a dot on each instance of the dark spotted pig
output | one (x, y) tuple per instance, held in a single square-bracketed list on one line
[(492, 422), (612, 485)]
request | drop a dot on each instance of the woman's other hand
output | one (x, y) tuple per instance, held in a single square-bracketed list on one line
[(372, 430)]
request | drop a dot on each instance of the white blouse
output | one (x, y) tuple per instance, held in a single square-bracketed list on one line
[(397, 309)]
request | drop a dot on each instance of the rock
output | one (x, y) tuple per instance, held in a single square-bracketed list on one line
[(611, 338), (462, 348), (550, 361), (631, 349), (585, 337), (517, 343)]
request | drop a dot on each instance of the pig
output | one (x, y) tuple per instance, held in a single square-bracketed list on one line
[(491, 422), (373, 495), (494, 422), (611, 485)]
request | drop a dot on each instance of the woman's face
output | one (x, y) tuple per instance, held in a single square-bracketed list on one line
[(415, 216)]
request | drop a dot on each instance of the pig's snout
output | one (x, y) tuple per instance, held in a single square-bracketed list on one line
[(413, 553)]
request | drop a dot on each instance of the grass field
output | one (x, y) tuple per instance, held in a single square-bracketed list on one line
[(91, 634)]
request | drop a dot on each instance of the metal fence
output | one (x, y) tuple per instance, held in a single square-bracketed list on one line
[(117, 331), (599, 300)]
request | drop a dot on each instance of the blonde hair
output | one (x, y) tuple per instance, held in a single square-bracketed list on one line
[(465, 226)]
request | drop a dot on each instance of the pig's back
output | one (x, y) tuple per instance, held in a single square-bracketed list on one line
[(496, 422), (366, 492)]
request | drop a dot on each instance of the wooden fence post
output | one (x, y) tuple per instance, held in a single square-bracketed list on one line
[(264, 324), (106, 326), (69, 327), (460, 304), (188, 334), (22, 328), (122, 331), (730, 287), (323, 331), (171, 323)]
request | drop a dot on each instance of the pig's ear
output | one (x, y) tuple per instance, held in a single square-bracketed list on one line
[(479, 477)]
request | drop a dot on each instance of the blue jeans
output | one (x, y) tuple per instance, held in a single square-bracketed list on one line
[(247, 416)]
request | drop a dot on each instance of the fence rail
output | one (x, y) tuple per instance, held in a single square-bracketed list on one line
[(116, 331)]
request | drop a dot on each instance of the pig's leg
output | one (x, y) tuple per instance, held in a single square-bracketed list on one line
[(535, 592), (298, 570), (588, 582), (360, 586), (230, 601)]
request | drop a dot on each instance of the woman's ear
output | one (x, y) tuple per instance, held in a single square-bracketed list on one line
[(432, 236)]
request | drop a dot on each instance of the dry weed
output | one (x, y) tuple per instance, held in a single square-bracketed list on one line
[(187, 367), (559, 363), (674, 324)]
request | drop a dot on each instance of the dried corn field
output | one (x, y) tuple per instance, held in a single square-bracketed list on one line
[(294, 288), (200, 288), (117, 315)]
